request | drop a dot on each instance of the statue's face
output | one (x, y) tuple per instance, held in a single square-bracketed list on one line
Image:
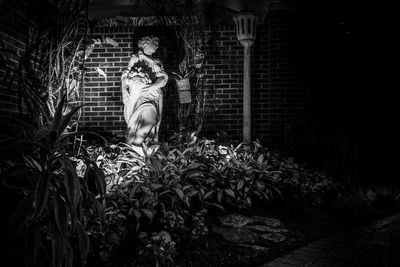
[(151, 47)]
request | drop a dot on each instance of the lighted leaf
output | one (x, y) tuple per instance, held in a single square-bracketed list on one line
[(111, 41), (229, 192), (179, 192), (156, 164), (146, 189), (155, 187), (101, 72), (260, 159), (192, 193), (217, 205), (240, 184), (149, 214), (219, 196), (208, 194), (41, 194)]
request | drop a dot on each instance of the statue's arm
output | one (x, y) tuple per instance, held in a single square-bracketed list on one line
[(161, 81), (124, 76), (132, 61)]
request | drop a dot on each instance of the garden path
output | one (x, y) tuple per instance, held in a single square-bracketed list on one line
[(375, 243)]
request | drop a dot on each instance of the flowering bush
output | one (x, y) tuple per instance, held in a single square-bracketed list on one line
[(199, 227), (162, 248)]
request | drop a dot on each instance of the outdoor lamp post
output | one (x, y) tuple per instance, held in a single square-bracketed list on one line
[(246, 33)]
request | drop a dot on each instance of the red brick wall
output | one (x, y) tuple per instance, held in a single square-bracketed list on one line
[(278, 95), (103, 111), (17, 55)]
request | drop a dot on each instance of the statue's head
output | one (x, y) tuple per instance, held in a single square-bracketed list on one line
[(148, 44)]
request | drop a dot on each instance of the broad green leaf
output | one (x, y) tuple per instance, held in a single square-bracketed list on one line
[(145, 189), (137, 214), (73, 180), (260, 184), (113, 238), (260, 160), (145, 149), (100, 179), (156, 164), (32, 163), (194, 165), (208, 194), (248, 200), (57, 244), (164, 192), (178, 192), (149, 214), (60, 215), (266, 196), (57, 119), (229, 192), (100, 206), (201, 189), (187, 150), (187, 187), (41, 195), (66, 119), (42, 132), (240, 184), (219, 196), (192, 193), (210, 180), (232, 184), (155, 187), (123, 173), (79, 210), (133, 191), (187, 202), (217, 205), (195, 175), (83, 242)]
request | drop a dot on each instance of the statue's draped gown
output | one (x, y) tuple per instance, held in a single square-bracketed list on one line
[(136, 103)]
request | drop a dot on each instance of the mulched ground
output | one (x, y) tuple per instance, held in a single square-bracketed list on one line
[(304, 227)]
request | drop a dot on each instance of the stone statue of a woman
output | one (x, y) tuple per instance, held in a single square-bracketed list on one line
[(141, 93)]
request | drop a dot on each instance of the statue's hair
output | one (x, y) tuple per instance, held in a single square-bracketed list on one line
[(147, 40)]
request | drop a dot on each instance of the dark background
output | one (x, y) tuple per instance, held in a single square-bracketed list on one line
[(347, 51)]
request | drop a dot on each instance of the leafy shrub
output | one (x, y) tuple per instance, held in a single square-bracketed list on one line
[(49, 225), (305, 187), (356, 200), (176, 185)]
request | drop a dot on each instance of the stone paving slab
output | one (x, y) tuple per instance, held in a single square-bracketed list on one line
[(321, 253)]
